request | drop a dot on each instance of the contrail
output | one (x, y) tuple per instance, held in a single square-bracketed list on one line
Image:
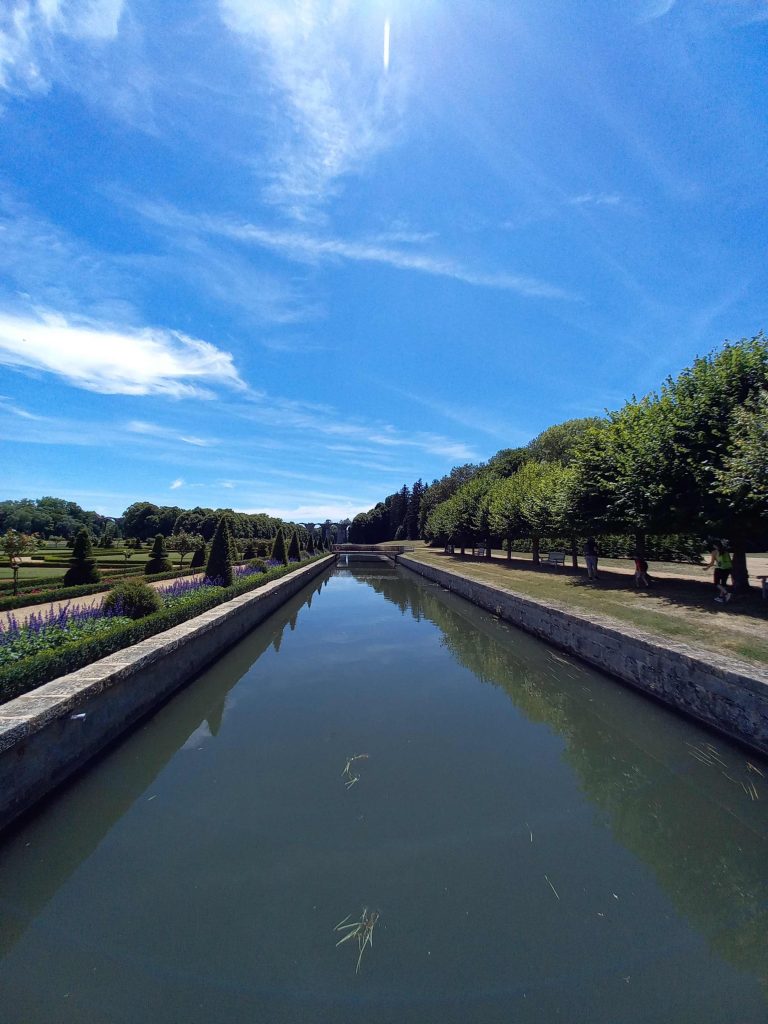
[(386, 45)]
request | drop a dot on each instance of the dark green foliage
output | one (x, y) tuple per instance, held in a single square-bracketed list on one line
[(158, 560), (82, 565), (219, 565), (199, 556), (294, 553), (133, 598), (250, 551), (311, 543), (279, 553)]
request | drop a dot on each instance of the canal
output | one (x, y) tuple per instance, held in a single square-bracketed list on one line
[(539, 843)]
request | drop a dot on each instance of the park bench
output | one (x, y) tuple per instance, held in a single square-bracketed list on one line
[(481, 552), (449, 549), (555, 558), (764, 588)]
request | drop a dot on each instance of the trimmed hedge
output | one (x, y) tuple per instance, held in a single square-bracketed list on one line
[(26, 675)]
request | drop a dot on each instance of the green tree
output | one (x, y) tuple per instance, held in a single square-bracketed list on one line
[(310, 543), (184, 543), (158, 560), (560, 442), (294, 552), (532, 503), (219, 565), (279, 552), (14, 546), (742, 480), (463, 518), (662, 461), (82, 565)]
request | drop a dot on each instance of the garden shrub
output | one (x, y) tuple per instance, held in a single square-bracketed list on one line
[(294, 553), (133, 598), (158, 560), (279, 553), (250, 551), (83, 567), (219, 565), (199, 556)]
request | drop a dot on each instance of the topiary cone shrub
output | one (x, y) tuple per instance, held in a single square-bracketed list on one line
[(133, 598), (310, 545), (279, 554), (158, 560), (219, 565), (294, 553), (83, 567), (198, 557)]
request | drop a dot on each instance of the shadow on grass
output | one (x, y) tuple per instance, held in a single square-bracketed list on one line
[(688, 594)]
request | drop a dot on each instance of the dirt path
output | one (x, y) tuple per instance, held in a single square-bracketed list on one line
[(89, 601)]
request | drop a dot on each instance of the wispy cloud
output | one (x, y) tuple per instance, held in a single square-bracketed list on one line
[(596, 199), (8, 405), (166, 433), (652, 9), (31, 29), (177, 483), (335, 107), (306, 247), (323, 421), (483, 420), (111, 360)]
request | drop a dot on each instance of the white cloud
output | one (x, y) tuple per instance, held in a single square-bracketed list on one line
[(338, 109), (304, 247), (29, 30), (114, 361), (177, 483)]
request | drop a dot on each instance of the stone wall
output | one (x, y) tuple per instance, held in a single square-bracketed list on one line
[(49, 733), (728, 695)]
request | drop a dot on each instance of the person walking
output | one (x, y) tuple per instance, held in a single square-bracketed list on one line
[(590, 557), (721, 559), (641, 570)]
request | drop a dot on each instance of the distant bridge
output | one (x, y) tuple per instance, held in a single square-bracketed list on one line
[(370, 552)]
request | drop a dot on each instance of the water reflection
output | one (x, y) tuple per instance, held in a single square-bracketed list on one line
[(694, 825), (81, 816), (216, 902)]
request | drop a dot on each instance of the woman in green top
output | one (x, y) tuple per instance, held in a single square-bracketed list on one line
[(721, 560)]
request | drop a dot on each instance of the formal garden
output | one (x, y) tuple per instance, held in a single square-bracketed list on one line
[(66, 634)]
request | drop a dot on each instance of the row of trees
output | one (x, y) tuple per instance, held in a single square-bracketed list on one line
[(50, 517), (395, 518), (691, 458)]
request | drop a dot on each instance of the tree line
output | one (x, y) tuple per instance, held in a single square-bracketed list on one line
[(690, 459)]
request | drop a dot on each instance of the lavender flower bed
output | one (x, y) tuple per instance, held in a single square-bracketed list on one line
[(52, 628), (44, 631)]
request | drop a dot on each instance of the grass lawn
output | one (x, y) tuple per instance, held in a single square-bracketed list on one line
[(681, 609), (31, 572)]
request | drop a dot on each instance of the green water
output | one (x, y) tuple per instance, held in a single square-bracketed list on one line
[(541, 843)]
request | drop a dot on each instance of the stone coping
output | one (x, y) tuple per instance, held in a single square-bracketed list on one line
[(31, 712)]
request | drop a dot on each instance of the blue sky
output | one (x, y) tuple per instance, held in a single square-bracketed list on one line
[(287, 255)]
